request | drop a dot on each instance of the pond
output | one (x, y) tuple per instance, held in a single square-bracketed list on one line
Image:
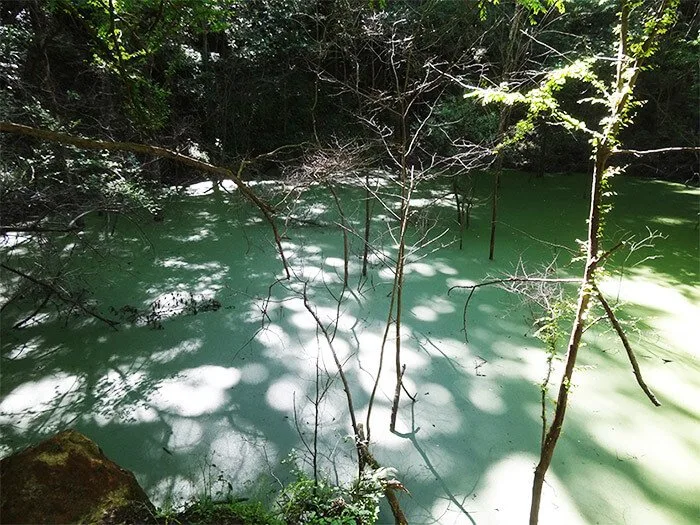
[(216, 367)]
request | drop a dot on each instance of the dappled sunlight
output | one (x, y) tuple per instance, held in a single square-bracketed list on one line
[(27, 350), (503, 495), (423, 313), (445, 269), (181, 263), (200, 235), (186, 434), (668, 453), (436, 411), (304, 320), (117, 384), (162, 493), (343, 351), (677, 317), (196, 391), (487, 399), (49, 401), (274, 339), (421, 268), (431, 308), (142, 413), (671, 221), (254, 373), (680, 465), (241, 455), (234, 385), (206, 287), (283, 392), (631, 502), (199, 189), (183, 348)]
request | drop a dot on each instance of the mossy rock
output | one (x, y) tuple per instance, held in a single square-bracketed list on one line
[(68, 479)]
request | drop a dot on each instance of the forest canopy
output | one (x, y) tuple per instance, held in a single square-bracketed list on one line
[(116, 108), (230, 80)]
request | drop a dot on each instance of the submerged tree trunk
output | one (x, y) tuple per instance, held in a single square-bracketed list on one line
[(586, 291), (619, 101), (513, 56), (368, 224)]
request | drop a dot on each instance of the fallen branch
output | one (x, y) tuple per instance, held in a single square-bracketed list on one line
[(157, 151), (61, 295), (472, 288), (639, 153), (628, 347)]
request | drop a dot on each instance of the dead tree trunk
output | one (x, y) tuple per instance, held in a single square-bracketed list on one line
[(514, 53), (586, 291)]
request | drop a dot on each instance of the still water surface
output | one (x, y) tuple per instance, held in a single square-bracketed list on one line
[(212, 372)]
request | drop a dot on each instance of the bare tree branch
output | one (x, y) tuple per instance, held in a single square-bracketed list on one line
[(640, 153), (473, 287), (628, 347), (61, 295), (132, 147), (513, 280), (341, 373)]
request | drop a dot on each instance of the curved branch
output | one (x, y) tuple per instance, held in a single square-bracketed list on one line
[(628, 348), (472, 288), (512, 280), (157, 151)]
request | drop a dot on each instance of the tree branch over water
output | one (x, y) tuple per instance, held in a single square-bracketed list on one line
[(639, 153), (157, 151), (628, 348), (473, 287), (64, 296)]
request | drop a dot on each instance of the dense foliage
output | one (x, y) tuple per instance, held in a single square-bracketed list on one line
[(312, 89), (229, 79)]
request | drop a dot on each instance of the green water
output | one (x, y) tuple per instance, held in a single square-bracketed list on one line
[(194, 393)]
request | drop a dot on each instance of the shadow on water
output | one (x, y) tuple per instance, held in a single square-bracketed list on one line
[(231, 386)]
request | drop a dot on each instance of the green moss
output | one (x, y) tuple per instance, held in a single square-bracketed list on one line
[(112, 500), (53, 458), (57, 451)]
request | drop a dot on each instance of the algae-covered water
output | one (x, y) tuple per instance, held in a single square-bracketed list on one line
[(211, 377)]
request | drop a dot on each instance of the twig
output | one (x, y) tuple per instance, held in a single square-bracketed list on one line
[(513, 280), (31, 316), (132, 147), (63, 296), (472, 288), (628, 348), (639, 153), (341, 373), (610, 251), (542, 241)]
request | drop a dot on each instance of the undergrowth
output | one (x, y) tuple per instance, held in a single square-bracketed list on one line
[(304, 501)]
